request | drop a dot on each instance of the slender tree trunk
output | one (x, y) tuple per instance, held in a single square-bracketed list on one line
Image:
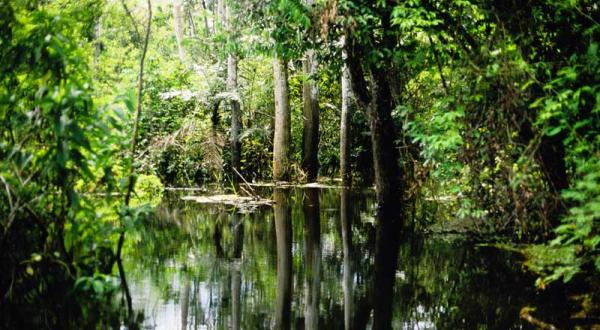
[(178, 27), (97, 44), (310, 112), (236, 116), (134, 141), (282, 136), (345, 172), (190, 18), (283, 232), (205, 12)]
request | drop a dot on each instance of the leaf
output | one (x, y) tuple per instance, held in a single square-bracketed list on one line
[(98, 286), (554, 131)]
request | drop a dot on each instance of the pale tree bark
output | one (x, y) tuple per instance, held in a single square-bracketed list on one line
[(97, 43), (234, 104), (310, 114), (345, 172), (178, 27), (282, 136), (219, 8)]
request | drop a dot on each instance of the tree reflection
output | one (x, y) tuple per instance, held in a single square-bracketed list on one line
[(387, 243), (312, 258), (185, 302), (283, 232), (347, 279), (236, 276)]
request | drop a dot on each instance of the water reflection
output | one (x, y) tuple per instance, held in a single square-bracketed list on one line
[(312, 258), (236, 276), (283, 231), (316, 259), (347, 282)]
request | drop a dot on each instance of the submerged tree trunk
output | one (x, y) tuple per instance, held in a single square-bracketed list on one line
[(345, 172), (282, 136), (310, 118), (378, 101), (387, 180), (178, 27)]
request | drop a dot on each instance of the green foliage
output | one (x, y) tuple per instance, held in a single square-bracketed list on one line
[(148, 188), (56, 146), (552, 263)]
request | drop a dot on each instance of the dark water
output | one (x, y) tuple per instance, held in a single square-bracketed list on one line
[(308, 263)]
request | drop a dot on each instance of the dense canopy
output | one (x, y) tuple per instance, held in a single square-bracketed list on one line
[(475, 117)]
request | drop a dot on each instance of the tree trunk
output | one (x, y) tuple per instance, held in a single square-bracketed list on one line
[(310, 119), (236, 116), (205, 12), (190, 19), (345, 172), (377, 99), (178, 27), (97, 44), (282, 136)]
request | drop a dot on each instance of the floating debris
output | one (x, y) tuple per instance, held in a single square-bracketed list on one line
[(244, 203)]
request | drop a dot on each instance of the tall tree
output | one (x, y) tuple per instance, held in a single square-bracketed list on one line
[(375, 94), (310, 112), (345, 173), (178, 28), (282, 136), (232, 87)]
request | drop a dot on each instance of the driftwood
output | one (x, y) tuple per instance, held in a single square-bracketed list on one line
[(243, 202), (284, 184)]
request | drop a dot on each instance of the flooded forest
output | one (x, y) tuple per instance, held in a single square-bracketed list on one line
[(299, 164)]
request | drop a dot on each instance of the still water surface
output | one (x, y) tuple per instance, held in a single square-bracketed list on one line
[(307, 263)]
